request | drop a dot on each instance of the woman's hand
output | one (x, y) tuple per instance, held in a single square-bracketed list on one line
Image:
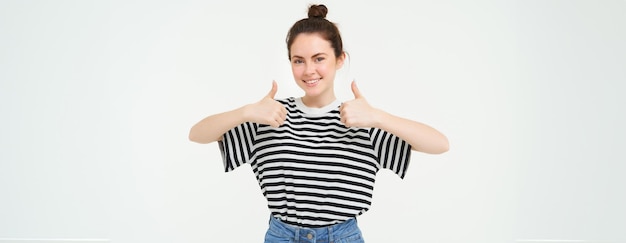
[(357, 112), (267, 111)]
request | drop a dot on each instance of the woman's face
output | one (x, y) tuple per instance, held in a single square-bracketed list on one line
[(314, 65)]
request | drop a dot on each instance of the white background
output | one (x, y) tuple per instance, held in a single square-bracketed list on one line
[(97, 98)]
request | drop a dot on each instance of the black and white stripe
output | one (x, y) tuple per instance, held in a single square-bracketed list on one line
[(313, 170)]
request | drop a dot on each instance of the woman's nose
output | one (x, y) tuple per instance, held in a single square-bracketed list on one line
[(310, 69)]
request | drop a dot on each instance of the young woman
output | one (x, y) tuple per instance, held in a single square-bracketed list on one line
[(316, 158)]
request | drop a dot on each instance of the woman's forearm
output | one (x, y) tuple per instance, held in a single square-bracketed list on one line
[(212, 128), (420, 136)]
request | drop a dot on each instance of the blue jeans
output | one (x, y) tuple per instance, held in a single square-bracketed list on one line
[(346, 232)]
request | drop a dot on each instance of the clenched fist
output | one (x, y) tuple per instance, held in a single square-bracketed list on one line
[(357, 112), (267, 111)]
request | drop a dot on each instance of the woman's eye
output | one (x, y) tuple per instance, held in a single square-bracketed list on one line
[(297, 61), (319, 59)]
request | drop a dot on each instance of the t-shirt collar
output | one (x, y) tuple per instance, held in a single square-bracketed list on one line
[(312, 110)]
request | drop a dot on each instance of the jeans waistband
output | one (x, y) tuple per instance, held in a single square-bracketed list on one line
[(317, 234)]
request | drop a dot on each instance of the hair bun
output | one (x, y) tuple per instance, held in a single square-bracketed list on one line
[(318, 11)]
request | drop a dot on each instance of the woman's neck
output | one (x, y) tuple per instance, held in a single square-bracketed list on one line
[(318, 101)]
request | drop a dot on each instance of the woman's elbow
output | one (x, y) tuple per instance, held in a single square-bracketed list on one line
[(194, 137), (199, 137), (439, 147), (444, 147)]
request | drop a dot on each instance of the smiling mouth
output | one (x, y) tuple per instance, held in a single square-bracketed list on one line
[(312, 81)]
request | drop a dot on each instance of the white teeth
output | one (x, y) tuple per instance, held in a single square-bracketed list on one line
[(312, 81)]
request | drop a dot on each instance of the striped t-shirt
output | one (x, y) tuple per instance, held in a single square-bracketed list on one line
[(313, 170)]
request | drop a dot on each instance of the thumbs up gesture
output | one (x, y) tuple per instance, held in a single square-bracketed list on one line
[(357, 112), (267, 111)]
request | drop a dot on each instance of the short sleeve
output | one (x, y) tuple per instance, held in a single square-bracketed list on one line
[(237, 145), (391, 152)]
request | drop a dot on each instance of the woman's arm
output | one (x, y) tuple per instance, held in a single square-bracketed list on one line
[(267, 111), (212, 128), (421, 137)]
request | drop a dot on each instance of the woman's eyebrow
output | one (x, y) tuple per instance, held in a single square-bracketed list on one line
[(316, 55)]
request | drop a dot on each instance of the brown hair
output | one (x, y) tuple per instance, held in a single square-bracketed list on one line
[(316, 23)]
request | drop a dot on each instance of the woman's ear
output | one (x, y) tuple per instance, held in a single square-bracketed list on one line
[(340, 60)]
